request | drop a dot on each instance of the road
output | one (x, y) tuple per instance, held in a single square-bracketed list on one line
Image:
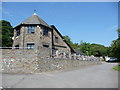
[(98, 76)]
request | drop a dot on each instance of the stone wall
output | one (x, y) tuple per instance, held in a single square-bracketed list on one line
[(44, 52), (32, 61), (18, 60), (0, 60), (37, 37), (48, 65)]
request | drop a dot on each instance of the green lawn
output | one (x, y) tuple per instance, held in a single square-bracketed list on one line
[(117, 68)]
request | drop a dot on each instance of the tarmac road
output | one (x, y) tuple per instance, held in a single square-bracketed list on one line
[(98, 76)]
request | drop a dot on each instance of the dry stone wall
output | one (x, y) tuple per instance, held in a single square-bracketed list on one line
[(33, 61)]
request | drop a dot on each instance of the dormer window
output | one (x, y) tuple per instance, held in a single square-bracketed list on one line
[(31, 29)]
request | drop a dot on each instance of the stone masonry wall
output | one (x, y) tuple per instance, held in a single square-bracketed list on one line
[(18, 60), (37, 38), (44, 52), (32, 61)]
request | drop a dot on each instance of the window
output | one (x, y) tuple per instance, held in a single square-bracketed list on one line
[(46, 45), (56, 39), (18, 32), (31, 29), (17, 46), (45, 32), (30, 46)]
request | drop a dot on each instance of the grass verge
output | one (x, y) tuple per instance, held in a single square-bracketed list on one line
[(117, 68)]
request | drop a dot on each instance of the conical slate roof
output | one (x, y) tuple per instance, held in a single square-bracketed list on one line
[(34, 19)]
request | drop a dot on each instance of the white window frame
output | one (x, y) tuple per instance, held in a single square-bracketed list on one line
[(31, 29)]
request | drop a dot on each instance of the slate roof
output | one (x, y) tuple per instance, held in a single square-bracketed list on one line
[(35, 19), (79, 52), (72, 50)]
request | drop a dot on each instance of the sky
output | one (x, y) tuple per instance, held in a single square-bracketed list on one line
[(92, 22)]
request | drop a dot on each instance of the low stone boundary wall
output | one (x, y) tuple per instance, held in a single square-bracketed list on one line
[(31, 61), (42, 65), (48, 65)]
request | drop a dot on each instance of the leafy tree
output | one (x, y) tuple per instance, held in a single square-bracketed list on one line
[(85, 48), (68, 39), (93, 49), (99, 50), (115, 49), (75, 45), (118, 33), (6, 32), (118, 30)]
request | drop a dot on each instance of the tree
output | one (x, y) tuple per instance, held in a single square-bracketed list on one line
[(99, 50), (6, 33), (115, 49), (93, 49), (118, 33), (118, 30), (85, 48), (68, 40)]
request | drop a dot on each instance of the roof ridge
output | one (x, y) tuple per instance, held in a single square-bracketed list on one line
[(35, 19), (41, 19)]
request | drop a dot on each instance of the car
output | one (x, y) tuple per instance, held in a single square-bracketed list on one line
[(112, 59)]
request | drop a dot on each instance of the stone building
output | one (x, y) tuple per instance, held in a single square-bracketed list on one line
[(34, 34)]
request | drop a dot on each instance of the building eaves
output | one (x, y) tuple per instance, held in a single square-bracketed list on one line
[(62, 37)]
